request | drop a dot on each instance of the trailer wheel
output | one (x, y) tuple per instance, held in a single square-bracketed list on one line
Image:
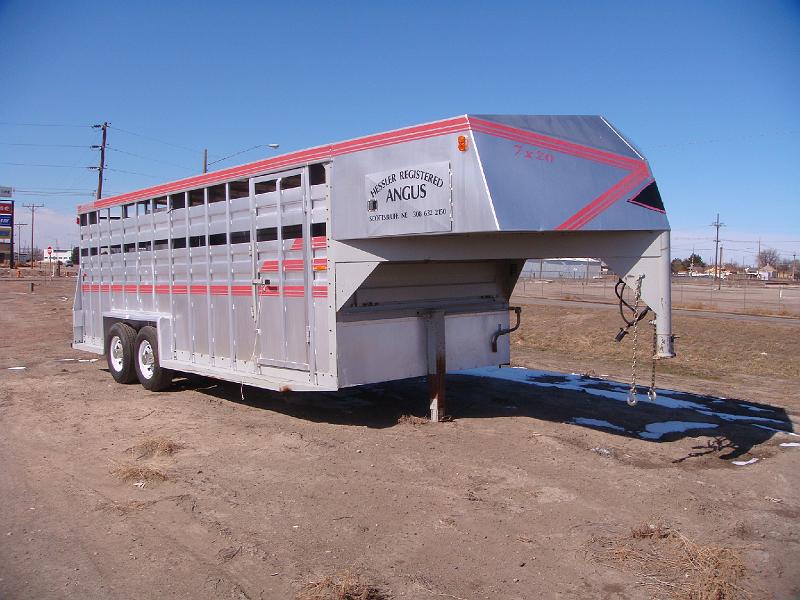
[(148, 369), (119, 352)]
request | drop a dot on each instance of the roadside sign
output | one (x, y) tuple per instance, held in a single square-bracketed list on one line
[(5, 220), (6, 192), (49, 251), (5, 208), (5, 233)]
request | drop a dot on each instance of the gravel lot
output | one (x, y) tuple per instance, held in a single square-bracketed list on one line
[(264, 492)]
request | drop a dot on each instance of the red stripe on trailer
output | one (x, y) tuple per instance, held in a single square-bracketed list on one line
[(551, 143), (293, 264), (294, 291), (269, 266), (295, 158), (618, 191), (289, 291), (319, 241)]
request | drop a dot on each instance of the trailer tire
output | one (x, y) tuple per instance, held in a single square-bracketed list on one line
[(151, 374), (119, 352)]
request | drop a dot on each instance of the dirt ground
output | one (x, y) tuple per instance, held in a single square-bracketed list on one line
[(264, 492)]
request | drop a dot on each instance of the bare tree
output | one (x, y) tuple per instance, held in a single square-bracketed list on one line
[(768, 256)]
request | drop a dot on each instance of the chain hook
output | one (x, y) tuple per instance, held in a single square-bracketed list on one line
[(632, 398), (651, 393)]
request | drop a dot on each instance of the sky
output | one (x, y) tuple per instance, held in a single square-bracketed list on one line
[(709, 91)]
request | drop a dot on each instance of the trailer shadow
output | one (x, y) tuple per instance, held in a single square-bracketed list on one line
[(730, 427)]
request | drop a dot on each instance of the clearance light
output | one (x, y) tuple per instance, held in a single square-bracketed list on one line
[(462, 143)]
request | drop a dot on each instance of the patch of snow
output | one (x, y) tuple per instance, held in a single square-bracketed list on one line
[(742, 463), (88, 359), (16, 368), (775, 430), (727, 417), (596, 423), (656, 430), (755, 408), (790, 444)]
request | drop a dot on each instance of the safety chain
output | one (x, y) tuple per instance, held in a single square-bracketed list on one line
[(651, 393), (632, 399)]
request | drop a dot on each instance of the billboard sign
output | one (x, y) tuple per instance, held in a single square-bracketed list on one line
[(5, 220), (6, 192), (5, 233), (5, 208)]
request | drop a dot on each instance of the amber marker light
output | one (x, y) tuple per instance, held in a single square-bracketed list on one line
[(462, 143)]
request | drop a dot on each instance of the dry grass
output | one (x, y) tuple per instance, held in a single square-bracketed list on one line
[(343, 585), (411, 420), (672, 566), (708, 348), (138, 473), (157, 446)]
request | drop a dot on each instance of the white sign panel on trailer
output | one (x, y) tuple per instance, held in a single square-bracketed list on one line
[(416, 199)]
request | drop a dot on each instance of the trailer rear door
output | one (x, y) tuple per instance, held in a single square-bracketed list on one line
[(282, 265)]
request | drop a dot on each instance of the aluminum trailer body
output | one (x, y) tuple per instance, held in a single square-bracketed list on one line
[(380, 258)]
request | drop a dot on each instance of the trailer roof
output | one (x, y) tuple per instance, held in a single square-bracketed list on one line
[(575, 135)]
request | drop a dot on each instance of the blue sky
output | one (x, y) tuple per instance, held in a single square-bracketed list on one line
[(709, 91)]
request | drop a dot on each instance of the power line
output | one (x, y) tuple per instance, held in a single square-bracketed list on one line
[(151, 138), (45, 145), (42, 124), (726, 140), (49, 189), (16, 164), (127, 172), (166, 162)]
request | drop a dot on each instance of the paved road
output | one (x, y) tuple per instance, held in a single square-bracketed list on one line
[(694, 313)]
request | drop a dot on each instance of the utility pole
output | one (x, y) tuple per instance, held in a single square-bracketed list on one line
[(102, 166), (719, 283), (19, 241), (33, 208), (794, 264), (716, 224), (205, 160), (11, 262)]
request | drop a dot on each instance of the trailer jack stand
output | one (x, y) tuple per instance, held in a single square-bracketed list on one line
[(437, 365)]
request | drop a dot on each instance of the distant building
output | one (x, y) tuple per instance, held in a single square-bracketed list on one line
[(561, 268), (767, 272)]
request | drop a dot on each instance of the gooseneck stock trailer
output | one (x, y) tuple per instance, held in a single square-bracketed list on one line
[(379, 258)]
